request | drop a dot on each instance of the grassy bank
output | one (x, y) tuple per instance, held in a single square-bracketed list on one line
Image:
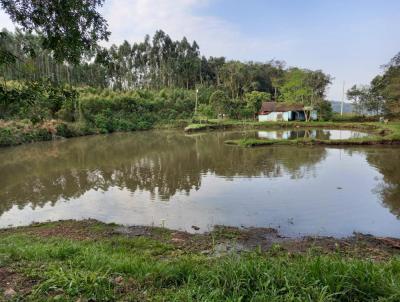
[(246, 124), (23, 131), (68, 261)]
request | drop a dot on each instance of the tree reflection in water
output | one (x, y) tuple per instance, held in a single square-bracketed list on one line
[(387, 161), (161, 163)]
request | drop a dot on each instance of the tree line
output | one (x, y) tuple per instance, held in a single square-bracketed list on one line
[(163, 63), (382, 95)]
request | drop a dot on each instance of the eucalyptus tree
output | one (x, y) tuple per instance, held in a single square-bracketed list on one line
[(232, 78), (188, 63), (360, 97), (213, 69)]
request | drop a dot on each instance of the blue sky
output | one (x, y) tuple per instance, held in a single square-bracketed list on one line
[(348, 39)]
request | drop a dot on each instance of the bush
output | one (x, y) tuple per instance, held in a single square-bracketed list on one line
[(351, 117), (35, 101), (325, 110)]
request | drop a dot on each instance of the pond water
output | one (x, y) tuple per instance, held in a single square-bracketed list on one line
[(177, 180), (324, 134)]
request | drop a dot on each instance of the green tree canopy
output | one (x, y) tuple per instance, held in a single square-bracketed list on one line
[(304, 86), (69, 28), (383, 93), (220, 102), (254, 100)]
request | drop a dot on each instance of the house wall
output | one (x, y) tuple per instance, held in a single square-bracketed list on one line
[(286, 116), (299, 116), (273, 117)]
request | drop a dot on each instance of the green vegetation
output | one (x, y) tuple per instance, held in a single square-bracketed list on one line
[(153, 84), (383, 94), (66, 261), (243, 124), (68, 29), (41, 111), (60, 83), (134, 87), (52, 69), (24, 131)]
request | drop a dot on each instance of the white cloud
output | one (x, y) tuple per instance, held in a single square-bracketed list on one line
[(132, 19), (5, 21)]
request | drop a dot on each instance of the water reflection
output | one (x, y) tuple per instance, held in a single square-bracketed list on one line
[(324, 134), (160, 163), (144, 177), (389, 186)]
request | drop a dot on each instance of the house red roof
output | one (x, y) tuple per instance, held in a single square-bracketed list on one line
[(267, 107)]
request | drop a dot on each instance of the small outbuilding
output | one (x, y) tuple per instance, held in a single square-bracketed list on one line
[(275, 111)]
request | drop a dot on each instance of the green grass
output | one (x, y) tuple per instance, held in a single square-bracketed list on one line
[(203, 127), (252, 124), (124, 268), (24, 131)]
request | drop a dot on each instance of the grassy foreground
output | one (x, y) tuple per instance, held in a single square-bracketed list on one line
[(91, 261)]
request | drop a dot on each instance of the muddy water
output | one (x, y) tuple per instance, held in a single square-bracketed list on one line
[(177, 180)]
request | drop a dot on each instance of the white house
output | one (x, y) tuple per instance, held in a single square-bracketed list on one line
[(274, 111)]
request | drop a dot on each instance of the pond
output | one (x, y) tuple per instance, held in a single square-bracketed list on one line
[(323, 134), (177, 180)]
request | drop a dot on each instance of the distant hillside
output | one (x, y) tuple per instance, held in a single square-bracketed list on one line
[(347, 107)]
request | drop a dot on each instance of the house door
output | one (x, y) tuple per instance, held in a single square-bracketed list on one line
[(279, 116)]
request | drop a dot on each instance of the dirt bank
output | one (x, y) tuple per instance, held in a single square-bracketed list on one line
[(222, 240)]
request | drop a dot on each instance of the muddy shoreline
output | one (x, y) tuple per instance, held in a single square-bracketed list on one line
[(220, 241)]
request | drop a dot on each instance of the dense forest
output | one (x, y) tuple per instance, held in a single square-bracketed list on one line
[(157, 63), (159, 76)]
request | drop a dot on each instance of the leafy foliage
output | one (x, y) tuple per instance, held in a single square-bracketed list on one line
[(254, 101), (130, 87), (69, 28), (383, 93), (304, 86), (35, 101)]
